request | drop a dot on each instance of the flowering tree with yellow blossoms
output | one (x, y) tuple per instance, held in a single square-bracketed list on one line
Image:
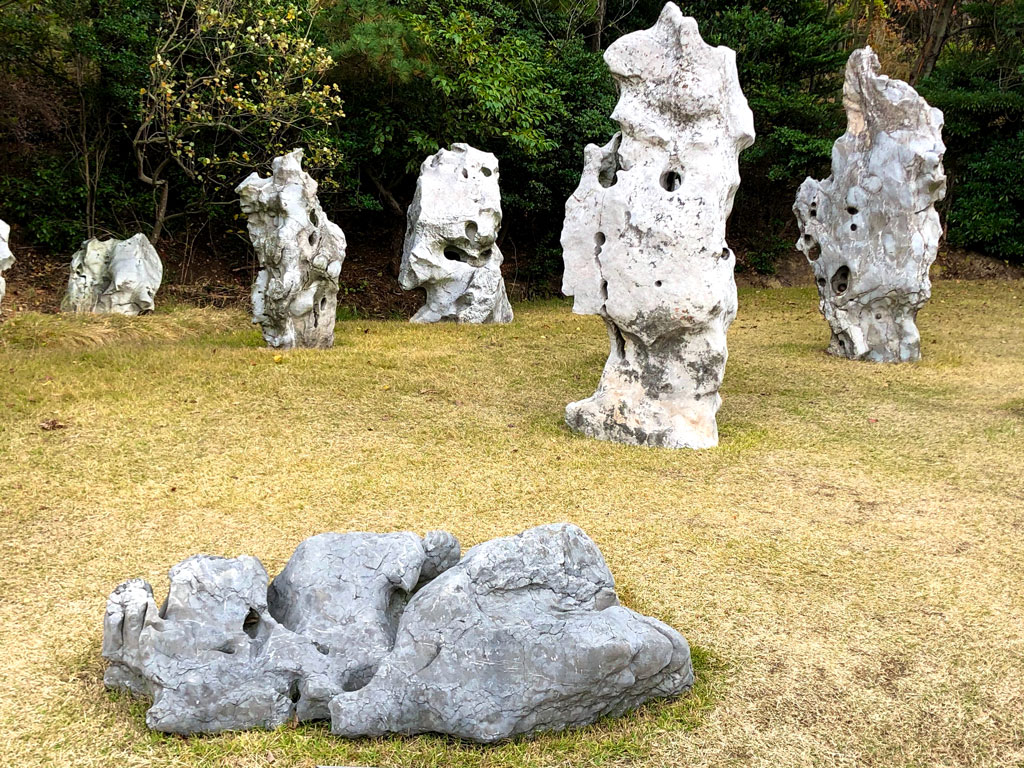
[(233, 83)]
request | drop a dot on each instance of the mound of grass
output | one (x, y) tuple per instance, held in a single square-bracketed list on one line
[(846, 564)]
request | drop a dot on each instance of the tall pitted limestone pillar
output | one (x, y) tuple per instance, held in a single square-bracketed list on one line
[(295, 295), (870, 230), (644, 237)]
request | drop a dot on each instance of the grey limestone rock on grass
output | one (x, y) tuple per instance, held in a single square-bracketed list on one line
[(870, 230), (525, 634), (644, 237), (295, 294), (118, 277), (390, 633), (451, 245), (6, 257)]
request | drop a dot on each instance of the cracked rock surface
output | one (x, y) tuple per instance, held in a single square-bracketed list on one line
[(295, 294), (391, 633), (870, 230), (6, 257), (119, 277), (644, 237), (450, 242)]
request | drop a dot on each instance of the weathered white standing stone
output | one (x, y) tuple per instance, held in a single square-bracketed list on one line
[(644, 237), (119, 277), (870, 230), (390, 633), (6, 257), (295, 295), (450, 242)]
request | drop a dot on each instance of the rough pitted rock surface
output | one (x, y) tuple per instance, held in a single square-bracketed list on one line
[(295, 294), (119, 277), (870, 230), (644, 237), (450, 242), (6, 257), (525, 634), (228, 652), (390, 633)]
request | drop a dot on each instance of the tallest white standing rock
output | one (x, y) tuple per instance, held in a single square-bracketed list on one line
[(644, 237)]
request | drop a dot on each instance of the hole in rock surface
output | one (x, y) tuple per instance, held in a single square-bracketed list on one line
[(841, 280), (485, 171), (821, 281), (454, 253), (814, 253), (853, 227), (852, 211), (599, 238), (312, 238), (465, 173), (313, 219), (657, 283), (671, 180), (471, 230), (620, 342), (251, 623), (608, 172), (323, 303), (604, 289), (724, 254)]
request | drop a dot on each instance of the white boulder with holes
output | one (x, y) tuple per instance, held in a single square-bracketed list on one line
[(450, 243), (870, 230), (644, 237), (6, 257), (114, 277), (295, 295)]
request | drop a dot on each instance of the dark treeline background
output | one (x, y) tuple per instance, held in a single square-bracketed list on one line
[(119, 116)]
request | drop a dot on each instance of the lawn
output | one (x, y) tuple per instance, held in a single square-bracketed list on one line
[(846, 565)]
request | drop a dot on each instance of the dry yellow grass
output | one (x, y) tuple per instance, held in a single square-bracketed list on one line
[(846, 564)]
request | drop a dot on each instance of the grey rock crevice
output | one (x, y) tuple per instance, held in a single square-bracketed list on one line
[(523, 634)]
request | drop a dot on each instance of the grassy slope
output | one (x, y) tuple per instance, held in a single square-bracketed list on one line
[(846, 564)]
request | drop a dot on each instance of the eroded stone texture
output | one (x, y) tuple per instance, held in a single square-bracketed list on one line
[(525, 634), (227, 652), (345, 592), (6, 257), (870, 230), (119, 277), (295, 294), (644, 237), (450, 242)]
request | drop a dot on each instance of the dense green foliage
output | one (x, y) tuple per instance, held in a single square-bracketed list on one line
[(112, 103), (979, 86)]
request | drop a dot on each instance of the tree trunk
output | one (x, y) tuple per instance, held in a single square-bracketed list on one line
[(598, 26), (161, 211), (934, 39)]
